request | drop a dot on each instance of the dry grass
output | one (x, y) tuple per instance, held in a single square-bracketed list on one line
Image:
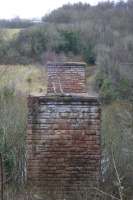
[(9, 33), (25, 79)]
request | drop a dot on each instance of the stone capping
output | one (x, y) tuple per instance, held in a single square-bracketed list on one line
[(66, 64), (65, 98)]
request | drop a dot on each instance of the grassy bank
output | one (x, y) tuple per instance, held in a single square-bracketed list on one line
[(25, 79)]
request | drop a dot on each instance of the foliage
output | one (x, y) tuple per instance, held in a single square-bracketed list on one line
[(16, 23), (107, 91), (67, 14), (69, 42), (117, 141), (13, 111), (89, 54)]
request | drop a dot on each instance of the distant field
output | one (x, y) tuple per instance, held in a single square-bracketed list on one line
[(25, 79), (10, 32)]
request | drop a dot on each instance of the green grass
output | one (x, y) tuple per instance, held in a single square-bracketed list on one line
[(26, 79)]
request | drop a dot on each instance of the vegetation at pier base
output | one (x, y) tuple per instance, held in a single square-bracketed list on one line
[(101, 36)]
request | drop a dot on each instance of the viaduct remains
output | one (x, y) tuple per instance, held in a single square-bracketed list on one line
[(63, 141)]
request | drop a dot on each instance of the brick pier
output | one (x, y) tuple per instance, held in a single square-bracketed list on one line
[(63, 140)]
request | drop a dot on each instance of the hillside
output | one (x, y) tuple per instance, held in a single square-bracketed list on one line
[(70, 13)]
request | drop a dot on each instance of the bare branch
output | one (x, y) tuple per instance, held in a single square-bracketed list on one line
[(120, 187), (106, 194)]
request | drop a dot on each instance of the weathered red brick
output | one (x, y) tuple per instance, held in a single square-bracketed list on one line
[(63, 137)]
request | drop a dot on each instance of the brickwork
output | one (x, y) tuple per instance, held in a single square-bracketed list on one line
[(66, 78), (63, 142)]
